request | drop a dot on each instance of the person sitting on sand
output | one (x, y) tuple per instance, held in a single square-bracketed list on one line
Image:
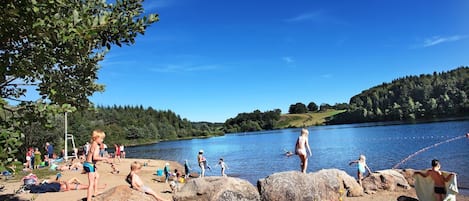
[(136, 183), (361, 168), (438, 179)]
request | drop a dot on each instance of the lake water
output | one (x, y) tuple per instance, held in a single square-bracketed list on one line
[(256, 155)]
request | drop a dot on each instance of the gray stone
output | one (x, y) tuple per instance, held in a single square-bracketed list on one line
[(328, 184), (217, 189), (123, 193)]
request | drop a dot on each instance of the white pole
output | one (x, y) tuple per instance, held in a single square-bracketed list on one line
[(66, 140)]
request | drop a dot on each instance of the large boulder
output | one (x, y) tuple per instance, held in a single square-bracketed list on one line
[(123, 193), (328, 184), (408, 175), (389, 180), (217, 189)]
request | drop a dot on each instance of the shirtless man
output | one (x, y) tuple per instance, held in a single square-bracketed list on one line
[(438, 179), (300, 149)]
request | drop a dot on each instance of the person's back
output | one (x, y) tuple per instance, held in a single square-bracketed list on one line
[(301, 148), (437, 178)]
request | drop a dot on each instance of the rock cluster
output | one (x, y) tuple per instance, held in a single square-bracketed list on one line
[(327, 184)]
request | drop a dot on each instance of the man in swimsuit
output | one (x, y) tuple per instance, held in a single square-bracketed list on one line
[(300, 148), (438, 179)]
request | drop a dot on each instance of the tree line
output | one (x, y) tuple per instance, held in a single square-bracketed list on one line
[(426, 96)]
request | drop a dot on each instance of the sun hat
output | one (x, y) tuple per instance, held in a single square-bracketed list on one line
[(201, 151)]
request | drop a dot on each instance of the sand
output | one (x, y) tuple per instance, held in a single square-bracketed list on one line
[(150, 179), (147, 174)]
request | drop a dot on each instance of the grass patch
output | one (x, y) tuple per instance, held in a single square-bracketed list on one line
[(17, 169), (307, 119)]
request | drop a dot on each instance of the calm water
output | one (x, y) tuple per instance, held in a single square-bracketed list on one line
[(255, 155)]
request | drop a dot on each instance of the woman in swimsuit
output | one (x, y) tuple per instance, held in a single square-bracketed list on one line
[(300, 149), (202, 161)]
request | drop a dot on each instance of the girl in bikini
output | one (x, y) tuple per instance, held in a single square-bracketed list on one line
[(301, 146)]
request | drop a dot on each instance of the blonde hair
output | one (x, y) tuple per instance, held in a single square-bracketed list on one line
[(135, 166), (362, 157), (304, 131), (98, 133)]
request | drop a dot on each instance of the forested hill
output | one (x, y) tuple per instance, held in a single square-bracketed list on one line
[(137, 125), (411, 98)]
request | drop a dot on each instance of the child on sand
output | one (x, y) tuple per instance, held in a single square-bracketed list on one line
[(438, 178), (361, 167), (136, 183), (92, 158), (300, 148)]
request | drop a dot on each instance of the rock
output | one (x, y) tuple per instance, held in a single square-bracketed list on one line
[(328, 184), (408, 175), (388, 180), (123, 193), (217, 188), (405, 198)]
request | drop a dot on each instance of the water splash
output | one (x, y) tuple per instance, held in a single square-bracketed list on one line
[(427, 148)]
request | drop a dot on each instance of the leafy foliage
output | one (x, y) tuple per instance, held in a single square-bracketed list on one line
[(410, 98), (136, 125), (53, 47), (254, 121), (297, 108)]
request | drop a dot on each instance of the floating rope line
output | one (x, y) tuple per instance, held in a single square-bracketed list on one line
[(427, 148)]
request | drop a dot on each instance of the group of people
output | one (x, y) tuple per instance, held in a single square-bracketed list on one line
[(202, 161), (302, 146), (34, 157)]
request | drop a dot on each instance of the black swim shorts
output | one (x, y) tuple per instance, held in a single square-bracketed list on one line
[(440, 190)]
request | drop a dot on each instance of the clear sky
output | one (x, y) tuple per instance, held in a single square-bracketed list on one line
[(208, 60)]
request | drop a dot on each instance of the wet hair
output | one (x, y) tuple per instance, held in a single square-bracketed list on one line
[(221, 159), (135, 166), (435, 162)]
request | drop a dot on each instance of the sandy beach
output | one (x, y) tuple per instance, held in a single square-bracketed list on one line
[(106, 177), (149, 178)]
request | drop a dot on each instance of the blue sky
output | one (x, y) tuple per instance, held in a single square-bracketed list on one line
[(208, 60)]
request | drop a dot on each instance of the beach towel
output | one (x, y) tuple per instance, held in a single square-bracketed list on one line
[(46, 187), (424, 187)]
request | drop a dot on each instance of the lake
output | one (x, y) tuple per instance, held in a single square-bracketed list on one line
[(256, 155)]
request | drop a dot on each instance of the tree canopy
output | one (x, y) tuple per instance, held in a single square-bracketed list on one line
[(53, 47), (410, 98)]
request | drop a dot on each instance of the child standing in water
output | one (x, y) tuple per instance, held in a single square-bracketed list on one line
[(438, 178), (92, 158), (300, 148), (361, 167)]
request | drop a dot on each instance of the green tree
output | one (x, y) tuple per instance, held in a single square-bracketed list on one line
[(312, 107), (54, 47), (297, 108)]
